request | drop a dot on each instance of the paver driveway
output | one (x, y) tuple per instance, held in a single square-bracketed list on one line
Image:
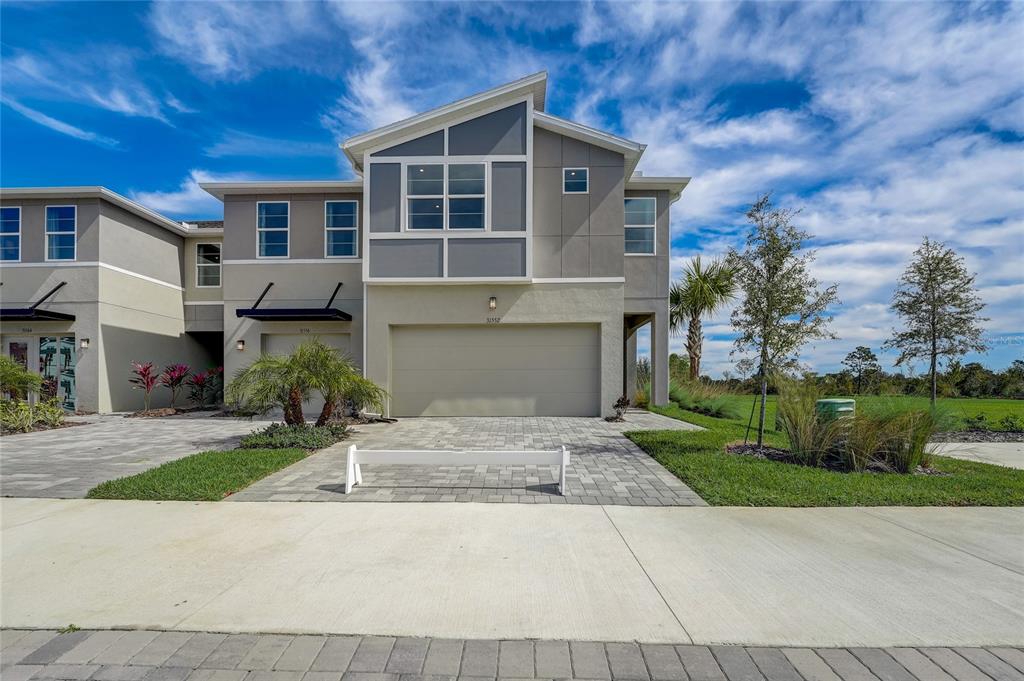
[(68, 462), (606, 467)]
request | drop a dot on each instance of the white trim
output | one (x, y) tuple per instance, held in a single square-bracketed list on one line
[(444, 281), (287, 230), (96, 192), (581, 280), (449, 234), (294, 261), (47, 233), (221, 189), (94, 263), (653, 227), (355, 242), (4, 263), (203, 302), (151, 280), (585, 191), (220, 265)]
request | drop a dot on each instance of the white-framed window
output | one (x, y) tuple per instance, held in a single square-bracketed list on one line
[(446, 196), (425, 195), (575, 180), (641, 220), (272, 229), (467, 191), (61, 232), (208, 265), (341, 229), (10, 233)]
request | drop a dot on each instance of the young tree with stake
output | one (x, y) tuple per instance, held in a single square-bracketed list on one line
[(782, 307), (940, 308)]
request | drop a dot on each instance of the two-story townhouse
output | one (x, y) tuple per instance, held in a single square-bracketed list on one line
[(90, 281), (492, 259)]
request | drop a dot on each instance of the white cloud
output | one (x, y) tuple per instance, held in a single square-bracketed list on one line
[(60, 126), (238, 143), (189, 200)]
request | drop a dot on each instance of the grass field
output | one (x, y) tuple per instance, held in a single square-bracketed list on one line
[(206, 476), (956, 410), (698, 459)]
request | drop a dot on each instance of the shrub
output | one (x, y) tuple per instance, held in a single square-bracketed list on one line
[(173, 378), (1012, 423), (144, 378), (641, 398), (811, 439), (203, 387), (16, 380), (977, 422), (704, 398), (281, 436), (16, 416), (49, 413)]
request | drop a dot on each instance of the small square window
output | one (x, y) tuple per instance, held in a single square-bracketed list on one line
[(425, 180), (466, 178), (466, 213), (575, 180), (426, 213)]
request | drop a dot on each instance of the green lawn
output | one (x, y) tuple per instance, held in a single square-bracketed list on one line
[(206, 476), (698, 459), (955, 408)]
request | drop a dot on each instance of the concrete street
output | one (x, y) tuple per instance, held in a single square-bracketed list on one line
[(769, 577)]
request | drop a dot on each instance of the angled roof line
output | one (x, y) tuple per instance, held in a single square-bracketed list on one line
[(632, 151), (221, 189), (537, 83), (673, 185), (95, 192)]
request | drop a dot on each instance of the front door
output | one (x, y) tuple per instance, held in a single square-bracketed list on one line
[(57, 367)]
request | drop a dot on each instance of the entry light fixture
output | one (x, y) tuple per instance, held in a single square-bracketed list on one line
[(84, 343), (492, 303), (240, 345)]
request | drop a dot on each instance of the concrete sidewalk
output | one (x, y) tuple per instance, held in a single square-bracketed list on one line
[(1009, 454), (785, 577)]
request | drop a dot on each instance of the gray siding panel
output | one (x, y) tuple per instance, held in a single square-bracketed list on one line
[(406, 258), (487, 257), (508, 207), (500, 132), (428, 145), (385, 197)]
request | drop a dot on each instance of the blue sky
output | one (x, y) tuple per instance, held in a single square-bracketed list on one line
[(884, 122)]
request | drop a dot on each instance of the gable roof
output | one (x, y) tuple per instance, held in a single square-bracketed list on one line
[(632, 151), (535, 84)]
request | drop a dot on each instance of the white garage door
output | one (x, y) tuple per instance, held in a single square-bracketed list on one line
[(284, 343), (500, 370)]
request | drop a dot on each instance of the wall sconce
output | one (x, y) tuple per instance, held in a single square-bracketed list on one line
[(240, 345), (492, 303), (84, 343)]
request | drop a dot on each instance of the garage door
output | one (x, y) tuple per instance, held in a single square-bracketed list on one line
[(284, 343), (500, 370)]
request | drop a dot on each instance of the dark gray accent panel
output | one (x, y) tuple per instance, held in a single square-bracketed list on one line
[(487, 257), (500, 132), (406, 258), (428, 145), (508, 207), (385, 197)]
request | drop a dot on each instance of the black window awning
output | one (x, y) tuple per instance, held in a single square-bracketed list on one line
[(32, 313), (294, 314)]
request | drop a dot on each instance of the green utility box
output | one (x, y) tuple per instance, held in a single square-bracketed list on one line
[(835, 408)]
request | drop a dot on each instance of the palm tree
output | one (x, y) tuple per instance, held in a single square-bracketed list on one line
[(289, 381), (700, 292)]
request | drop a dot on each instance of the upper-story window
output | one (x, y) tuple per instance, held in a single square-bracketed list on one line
[(452, 196), (61, 222), (10, 233), (208, 265), (640, 225), (575, 180), (272, 227), (341, 228)]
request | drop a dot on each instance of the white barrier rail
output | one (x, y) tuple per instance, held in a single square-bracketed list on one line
[(452, 457)]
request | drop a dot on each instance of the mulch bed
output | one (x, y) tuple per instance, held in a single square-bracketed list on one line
[(40, 427), (831, 464), (979, 436), (166, 411)]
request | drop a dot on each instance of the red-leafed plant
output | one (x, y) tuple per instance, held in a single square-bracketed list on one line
[(204, 386), (144, 378), (173, 378)]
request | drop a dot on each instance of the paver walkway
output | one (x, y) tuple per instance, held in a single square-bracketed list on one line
[(606, 467), (68, 462), (179, 656)]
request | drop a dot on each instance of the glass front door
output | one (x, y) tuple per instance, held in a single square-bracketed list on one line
[(57, 368)]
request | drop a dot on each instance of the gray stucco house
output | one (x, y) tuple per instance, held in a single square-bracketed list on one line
[(491, 259)]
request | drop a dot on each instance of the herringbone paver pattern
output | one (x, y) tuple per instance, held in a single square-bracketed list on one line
[(606, 467), (151, 656)]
